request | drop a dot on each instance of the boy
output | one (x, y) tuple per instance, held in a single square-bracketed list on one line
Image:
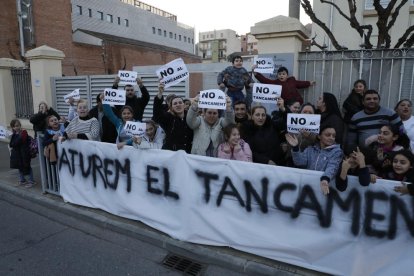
[(235, 78)]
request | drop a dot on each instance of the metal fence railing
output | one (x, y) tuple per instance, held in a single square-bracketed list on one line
[(23, 97)]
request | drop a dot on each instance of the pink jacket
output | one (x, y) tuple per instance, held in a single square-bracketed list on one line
[(243, 154)]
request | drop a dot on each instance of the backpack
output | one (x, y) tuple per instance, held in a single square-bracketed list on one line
[(33, 147)]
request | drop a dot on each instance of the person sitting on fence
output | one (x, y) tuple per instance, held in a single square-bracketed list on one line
[(137, 104), (234, 148), (20, 155), (323, 156), (108, 131), (53, 133), (178, 135), (39, 119), (153, 138), (82, 126), (208, 128), (127, 114)]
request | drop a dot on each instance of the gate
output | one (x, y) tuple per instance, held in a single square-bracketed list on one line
[(22, 87)]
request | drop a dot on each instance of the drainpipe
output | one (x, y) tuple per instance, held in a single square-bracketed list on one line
[(20, 18)]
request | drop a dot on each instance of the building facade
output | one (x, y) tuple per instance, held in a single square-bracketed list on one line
[(365, 14), (249, 44), (217, 45)]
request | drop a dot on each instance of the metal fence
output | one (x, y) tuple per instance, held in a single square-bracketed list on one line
[(389, 71), (49, 173), (23, 97)]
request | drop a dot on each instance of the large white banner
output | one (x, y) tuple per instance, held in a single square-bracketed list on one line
[(275, 212)]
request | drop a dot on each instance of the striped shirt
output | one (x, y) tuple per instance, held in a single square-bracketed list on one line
[(89, 127)]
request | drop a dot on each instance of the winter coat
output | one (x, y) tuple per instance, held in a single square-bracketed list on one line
[(157, 143), (243, 154), (108, 130), (20, 156), (352, 105)]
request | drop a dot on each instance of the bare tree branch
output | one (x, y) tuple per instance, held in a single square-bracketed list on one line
[(404, 37)]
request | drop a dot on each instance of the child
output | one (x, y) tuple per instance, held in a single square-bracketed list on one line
[(402, 170), (289, 84), (20, 156), (235, 78), (234, 148), (53, 132), (153, 138)]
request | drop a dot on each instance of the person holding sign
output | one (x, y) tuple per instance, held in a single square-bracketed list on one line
[(108, 131), (289, 85), (153, 138), (82, 126), (127, 114), (262, 135), (234, 148), (235, 78), (178, 135), (208, 129), (39, 119), (324, 156), (137, 104)]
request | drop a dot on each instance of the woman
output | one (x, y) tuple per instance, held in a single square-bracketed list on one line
[(178, 135), (39, 119), (353, 102), (305, 138), (263, 137), (153, 138), (82, 126), (208, 129), (324, 156), (327, 106), (404, 110)]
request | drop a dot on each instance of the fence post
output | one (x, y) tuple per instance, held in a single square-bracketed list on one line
[(45, 62), (7, 107)]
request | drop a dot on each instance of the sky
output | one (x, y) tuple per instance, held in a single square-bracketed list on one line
[(221, 14)]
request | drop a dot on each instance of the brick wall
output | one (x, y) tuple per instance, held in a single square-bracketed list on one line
[(9, 30)]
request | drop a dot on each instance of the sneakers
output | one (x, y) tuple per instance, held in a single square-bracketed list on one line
[(30, 184), (20, 183)]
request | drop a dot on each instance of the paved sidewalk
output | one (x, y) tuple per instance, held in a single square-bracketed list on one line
[(222, 256)]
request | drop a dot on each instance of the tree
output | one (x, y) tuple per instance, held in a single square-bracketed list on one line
[(386, 20)]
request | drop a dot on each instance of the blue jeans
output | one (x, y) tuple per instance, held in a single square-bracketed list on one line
[(235, 96)]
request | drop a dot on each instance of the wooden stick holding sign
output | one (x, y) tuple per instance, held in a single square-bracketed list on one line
[(264, 65), (212, 98), (127, 77), (266, 93), (114, 97), (135, 128), (172, 73), (303, 122)]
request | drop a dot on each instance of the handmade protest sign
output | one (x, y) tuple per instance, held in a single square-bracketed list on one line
[(127, 77), (3, 132), (266, 93), (74, 95), (305, 122), (173, 72), (135, 128), (212, 98), (264, 65), (114, 97)]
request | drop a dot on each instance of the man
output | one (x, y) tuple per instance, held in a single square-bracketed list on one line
[(240, 112), (108, 131), (365, 125), (137, 104)]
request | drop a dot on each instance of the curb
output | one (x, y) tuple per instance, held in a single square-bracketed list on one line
[(222, 256)]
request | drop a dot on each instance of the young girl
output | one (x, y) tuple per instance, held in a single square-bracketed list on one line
[(323, 156), (20, 155), (402, 170), (153, 138), (234, 148), (54, 131)]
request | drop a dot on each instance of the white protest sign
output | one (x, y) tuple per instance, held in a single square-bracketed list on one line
[(266, 93), (3, 132), (114, 97), (212, 98), (264, 65), (306, 122), (135, 128), (127, 77), (173, 72), (74, 94)]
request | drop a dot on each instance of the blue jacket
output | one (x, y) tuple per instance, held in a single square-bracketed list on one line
[(314, 158)]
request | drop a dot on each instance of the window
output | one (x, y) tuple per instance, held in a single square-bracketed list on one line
[(109, 18), (369, 4), (159, 32), (175, 36), (179, 37), (79, 10), (90, 12), (100, 15), (171, 35), (126, 21), (119, 20), (185, 39), (165, 33), (153, 30)]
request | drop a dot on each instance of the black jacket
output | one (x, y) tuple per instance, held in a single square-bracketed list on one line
[(109, 132), (137, 104)]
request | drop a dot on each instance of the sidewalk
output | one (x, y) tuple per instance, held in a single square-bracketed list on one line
[(222, 256)]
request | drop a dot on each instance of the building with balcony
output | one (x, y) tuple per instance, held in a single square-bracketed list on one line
[(217, 45)]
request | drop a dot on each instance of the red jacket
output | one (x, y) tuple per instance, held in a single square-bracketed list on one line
[(289, 87)]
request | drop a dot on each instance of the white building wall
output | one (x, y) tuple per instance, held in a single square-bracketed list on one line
[(345, 34), (142, 25)]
